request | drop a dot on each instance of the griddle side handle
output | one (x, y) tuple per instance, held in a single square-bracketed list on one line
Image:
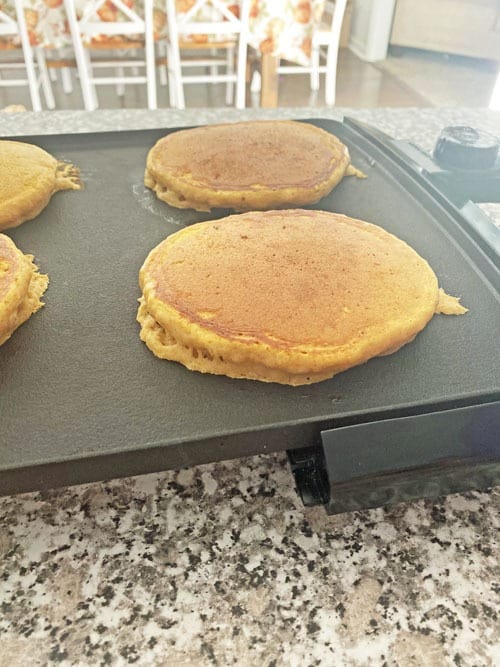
[(428, 455), (454, 189)]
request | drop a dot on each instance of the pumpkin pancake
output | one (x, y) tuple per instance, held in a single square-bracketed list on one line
[(29, 176), (290, 296), (21, 287), (254, 165)]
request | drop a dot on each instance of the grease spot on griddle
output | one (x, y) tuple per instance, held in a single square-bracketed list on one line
[(148, 201)]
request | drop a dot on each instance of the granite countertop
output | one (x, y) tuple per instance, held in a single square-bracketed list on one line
[(221, 564)]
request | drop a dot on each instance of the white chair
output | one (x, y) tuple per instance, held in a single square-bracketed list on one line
[(325, 49), (129, 35), (218, 30), (33, 59)]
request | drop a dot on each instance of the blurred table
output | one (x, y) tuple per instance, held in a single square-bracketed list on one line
[(279, 29)]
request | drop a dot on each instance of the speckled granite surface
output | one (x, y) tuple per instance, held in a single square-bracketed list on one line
[(419, 125), (221, 564)]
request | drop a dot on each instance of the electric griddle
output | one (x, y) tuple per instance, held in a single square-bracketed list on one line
[(83, 399)]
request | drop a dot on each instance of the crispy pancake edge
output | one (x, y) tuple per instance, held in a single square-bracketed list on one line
[(164, 346)]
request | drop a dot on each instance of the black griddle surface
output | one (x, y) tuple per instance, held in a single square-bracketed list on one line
[(81, 397)]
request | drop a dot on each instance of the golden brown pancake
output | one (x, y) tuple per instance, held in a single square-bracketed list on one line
[(29, 176), (289, 296), (254, 165), (21, 287)]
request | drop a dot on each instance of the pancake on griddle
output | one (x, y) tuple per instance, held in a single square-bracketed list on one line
[(21, 287), (254, 165), (290, 296), (29, 176)]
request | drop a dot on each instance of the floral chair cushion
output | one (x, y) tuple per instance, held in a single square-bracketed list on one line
[(45, 21), (279, 27)]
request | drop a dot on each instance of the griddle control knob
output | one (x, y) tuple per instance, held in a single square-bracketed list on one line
[(462, 147)]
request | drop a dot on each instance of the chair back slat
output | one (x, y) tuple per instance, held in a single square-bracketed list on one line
[(210, 17), (8, 26), (216, 7), (90, 15), (206, 28), (111, 28)]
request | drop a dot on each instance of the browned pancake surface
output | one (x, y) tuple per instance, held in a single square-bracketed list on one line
[(291, 277), (221, 156), (254, 165)]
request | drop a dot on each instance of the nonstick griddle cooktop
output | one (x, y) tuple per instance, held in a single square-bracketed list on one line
[(82, 398)]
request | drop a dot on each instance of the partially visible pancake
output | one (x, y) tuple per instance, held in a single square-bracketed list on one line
[(254, 165), (29, 176), (21, 287), (289, 296)]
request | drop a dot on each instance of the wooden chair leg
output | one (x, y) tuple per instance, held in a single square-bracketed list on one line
[(175, 87), (241, 68), (88, 87), (120, 86), (149, 51), (66, 80), (270, 81), (162, 67), (172, 87), (44, 78), (315, 68), (230, 70), (33, 84), (28, 60), (331, 76)]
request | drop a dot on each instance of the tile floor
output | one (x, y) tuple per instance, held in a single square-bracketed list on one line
[(410, 78)]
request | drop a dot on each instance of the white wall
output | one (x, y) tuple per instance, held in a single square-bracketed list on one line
[(371, 25)]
